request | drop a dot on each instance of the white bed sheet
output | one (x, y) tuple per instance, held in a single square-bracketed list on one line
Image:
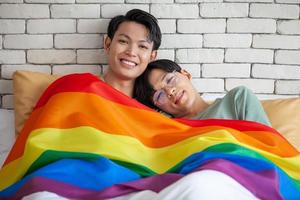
[(7, 133), (204, 185)]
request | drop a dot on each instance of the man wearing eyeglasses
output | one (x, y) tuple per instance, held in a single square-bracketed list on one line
[(165, 86)]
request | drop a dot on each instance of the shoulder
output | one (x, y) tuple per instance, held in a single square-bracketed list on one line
[(240, 93), (240, 90)]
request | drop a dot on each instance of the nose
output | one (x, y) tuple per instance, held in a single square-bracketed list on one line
[(131, 50), (170, 91)]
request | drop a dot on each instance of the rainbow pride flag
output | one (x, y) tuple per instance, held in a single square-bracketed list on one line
[(86, 140)]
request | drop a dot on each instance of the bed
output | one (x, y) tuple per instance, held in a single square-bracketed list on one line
[(162, 169)]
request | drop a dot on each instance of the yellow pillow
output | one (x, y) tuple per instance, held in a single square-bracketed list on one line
[(28, 87), (284, 115)]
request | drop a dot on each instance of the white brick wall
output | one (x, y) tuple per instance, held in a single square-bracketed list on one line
[(247, 25), (289, 26), (224, 10), (222, 43), (200, 55), (68, 41), (201, 26), (12, 26), (181, 41), (227, 40), (28, 41), (249, 55), (51, 56), (175, 10), (51, 26), (280, 11)]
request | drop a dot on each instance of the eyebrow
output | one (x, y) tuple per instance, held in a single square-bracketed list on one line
[(163, 77), (124, 35)]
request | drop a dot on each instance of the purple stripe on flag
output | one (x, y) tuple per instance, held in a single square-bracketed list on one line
[(263, 184), (38, 184)]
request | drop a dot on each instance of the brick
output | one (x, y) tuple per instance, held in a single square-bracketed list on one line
[(249, 55), (24, 11), (256, 85), (8, 70), (280, 11), (200, 55), (12, 57), (111, 10), (175, 10), (49, 1), (12, 26), (226, 70), (197, 1), (93, 25), (193, 69), (276, 41), (149, 1), (8, 101), (167, 25), (78, 41), (227, 40), (224, 10), (51, 56), (288, 1), (255, 1), (208, 85), (181, 41), (248, 25), (6, 87), (69, 69), (11, 1), (166, 54), (287, 57), (201, 26), (91, 56), (75, 11), (28, 41), (287, 87), (51, 26), (99, 1), (276, 71), (288, 26)]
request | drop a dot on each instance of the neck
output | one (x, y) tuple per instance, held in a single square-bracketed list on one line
[(199, 106), (124, 86)]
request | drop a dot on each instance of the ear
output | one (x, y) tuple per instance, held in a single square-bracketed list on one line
[(107, 42), (186, 73), (153, 55)]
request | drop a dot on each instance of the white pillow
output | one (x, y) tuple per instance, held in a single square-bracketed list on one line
[(7, 133)]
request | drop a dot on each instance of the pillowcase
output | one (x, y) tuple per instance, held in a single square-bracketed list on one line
[(7, 136), (28, 87), (284, 114)]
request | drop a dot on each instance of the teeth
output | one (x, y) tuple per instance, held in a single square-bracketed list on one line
[(128, 62)]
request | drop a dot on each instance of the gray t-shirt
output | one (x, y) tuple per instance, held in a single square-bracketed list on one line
[(239, 103)]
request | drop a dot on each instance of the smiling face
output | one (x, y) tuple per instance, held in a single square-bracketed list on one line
[(174, 92), (129, 51)]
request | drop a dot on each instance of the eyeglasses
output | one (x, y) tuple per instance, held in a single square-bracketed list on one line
[(160, 96)]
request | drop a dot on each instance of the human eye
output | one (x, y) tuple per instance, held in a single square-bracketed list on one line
[(145, 47), (158, 96), (170, 78), (122, 41)]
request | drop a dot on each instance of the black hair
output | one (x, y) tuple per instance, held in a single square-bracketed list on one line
[(140, 17), (143, 91)]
